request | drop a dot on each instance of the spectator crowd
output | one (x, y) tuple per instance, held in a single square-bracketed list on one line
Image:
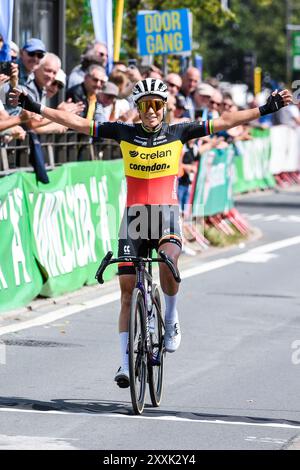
[(91, 92)]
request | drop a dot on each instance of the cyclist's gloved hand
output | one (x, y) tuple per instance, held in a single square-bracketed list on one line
[(27, 102), (18, 97), (273, 104)]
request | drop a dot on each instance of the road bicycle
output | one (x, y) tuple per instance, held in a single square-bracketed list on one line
[(146, 328)]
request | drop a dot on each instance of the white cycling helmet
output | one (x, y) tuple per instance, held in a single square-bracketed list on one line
[(149, 86)]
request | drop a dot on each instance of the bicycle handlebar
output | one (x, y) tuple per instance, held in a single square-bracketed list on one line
[(107, 260), (104, 263), (171, 266)]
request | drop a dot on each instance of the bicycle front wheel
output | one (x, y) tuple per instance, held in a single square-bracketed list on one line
[(156, 356), (137, 352)]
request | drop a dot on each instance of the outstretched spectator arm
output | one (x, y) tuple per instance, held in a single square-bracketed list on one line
[(7, 122), (51, 128), (36, 123)]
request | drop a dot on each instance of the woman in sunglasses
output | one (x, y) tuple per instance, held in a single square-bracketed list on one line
[(151, 152)]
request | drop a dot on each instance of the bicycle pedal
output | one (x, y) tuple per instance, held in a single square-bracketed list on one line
[(123, 383), (155, 360), (155, 363)]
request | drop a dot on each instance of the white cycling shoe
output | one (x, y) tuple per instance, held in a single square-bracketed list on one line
[(172, 336), (122, 377)]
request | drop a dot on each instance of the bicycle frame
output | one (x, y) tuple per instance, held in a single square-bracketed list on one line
[(143, 281), (143, 276), (147, 355)]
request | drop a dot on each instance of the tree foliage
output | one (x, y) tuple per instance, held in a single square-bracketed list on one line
[(79, 24), (259, 28)]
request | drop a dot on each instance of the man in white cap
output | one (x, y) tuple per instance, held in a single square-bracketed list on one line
[(109, 106), (45, 126), (202, 96), (58, 84)]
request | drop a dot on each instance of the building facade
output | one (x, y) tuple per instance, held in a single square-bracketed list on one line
[(44, 19)]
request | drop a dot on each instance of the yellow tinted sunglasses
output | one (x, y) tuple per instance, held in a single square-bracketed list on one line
[(156, 105)]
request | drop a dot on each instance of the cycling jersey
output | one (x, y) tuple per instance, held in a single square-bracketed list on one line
[(151, 159)]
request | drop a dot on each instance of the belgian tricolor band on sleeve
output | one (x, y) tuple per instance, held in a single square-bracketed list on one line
[(209, 126)]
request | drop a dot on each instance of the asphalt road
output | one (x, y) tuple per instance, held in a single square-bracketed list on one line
[(233, 384)]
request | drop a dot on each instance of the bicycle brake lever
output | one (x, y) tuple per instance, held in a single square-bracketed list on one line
[(103, 266)]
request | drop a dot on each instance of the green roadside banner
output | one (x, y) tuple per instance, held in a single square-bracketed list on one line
[(75, 220), (64, 229), (252, 163), (213, 190), (20, 278)]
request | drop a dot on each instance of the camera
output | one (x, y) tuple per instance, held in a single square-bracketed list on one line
[(5, 68), (198, 113), (132, 63)]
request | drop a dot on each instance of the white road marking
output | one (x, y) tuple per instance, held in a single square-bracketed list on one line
[(158, 418), (254, 216), (210, 266), (274, 246), (255, 257), (269, 218), (106, 299), (266, 440), (293, 218), (272, 217)]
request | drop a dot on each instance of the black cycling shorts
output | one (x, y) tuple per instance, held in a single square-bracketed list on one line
[(145, 227)]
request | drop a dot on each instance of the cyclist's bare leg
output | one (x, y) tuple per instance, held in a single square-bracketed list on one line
[(168, 284), (170, 290), (127, 284)]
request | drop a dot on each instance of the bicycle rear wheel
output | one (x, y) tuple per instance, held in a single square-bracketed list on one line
[(137, 352), (156, 356)]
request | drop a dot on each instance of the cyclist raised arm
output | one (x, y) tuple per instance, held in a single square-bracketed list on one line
[(230, 119), (151, 152), (83, 125), (73, 121)]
